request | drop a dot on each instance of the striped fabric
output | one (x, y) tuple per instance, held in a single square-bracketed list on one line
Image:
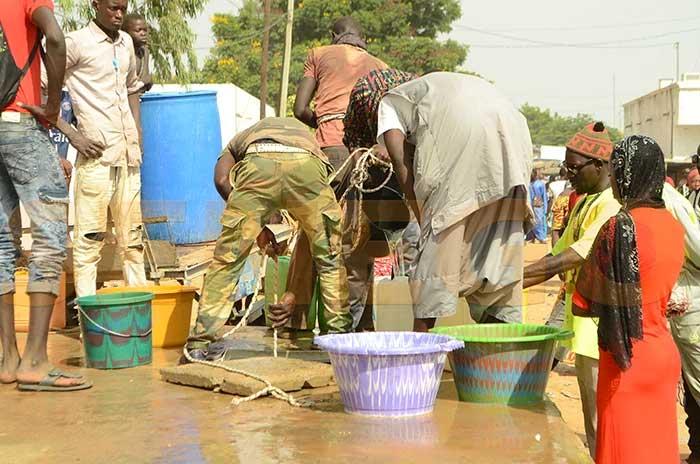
[(361, 116)]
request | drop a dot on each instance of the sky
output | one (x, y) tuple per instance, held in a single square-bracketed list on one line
[(513, 44)]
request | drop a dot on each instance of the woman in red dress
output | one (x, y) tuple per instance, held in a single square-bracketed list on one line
[(626, 282)]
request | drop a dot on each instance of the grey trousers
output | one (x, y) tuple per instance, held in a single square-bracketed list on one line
[(587, 375), (556, 319)]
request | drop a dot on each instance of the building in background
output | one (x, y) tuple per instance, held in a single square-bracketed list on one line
[(670, 115)]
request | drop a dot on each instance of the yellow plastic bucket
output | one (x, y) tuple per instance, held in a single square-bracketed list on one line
[(171, 311)]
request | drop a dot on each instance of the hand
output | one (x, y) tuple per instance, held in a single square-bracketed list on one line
[(67, 169), (281, 312), (47, 114), (87, 147), (267, 243), (381, 152)]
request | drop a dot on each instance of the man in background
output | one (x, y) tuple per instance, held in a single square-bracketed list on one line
[(330, 73), (135, 25), (557, 186), (101, 76), (30, 172), (539, 201)]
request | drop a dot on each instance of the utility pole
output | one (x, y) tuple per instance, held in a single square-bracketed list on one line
[(677, 48), (265, 57), (284, 88), (614, 108)]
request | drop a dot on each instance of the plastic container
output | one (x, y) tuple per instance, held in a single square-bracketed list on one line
[(171, 311), (388, 373), (116, 329), (392, 305), (275, 282), (181, 143), (22, 303), (503, 363), (276, 285)]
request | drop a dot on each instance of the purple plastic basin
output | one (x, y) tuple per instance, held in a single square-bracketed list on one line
[(388, 373)]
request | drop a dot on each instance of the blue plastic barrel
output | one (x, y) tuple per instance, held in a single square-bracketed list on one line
[(181, 143)]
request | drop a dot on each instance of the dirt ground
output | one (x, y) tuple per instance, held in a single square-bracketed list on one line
[(158, 422), (563, 388)]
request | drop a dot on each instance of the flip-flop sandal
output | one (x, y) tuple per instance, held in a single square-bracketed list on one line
[(48, 383)]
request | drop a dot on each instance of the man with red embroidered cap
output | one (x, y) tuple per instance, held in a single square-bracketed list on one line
[(586, 162)]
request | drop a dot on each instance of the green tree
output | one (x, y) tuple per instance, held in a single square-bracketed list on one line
[(554, 129), (402, 33), (171, 41)]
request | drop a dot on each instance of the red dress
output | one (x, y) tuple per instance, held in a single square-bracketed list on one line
[(637, 421)]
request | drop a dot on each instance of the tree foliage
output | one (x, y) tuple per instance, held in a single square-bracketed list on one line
[(554, 129), (171, 41), (400, 32)]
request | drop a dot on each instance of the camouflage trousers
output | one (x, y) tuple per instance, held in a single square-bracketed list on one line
[(264, 183)]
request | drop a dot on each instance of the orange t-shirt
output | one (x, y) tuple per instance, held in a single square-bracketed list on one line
[(336, 69), (21, 34)]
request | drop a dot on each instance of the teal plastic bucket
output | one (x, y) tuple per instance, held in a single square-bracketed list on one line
[(116, 329), (503, 363)]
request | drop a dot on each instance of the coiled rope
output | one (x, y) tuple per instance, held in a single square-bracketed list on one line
[(366, 158)]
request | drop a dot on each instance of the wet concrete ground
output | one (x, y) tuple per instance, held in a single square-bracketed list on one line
[(131, 416)]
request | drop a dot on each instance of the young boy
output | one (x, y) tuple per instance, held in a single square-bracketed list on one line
[(135, 25)]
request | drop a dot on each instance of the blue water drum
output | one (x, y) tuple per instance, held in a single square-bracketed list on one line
[(181, 143)]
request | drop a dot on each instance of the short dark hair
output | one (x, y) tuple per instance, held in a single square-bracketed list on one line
[(347, 24), (130, 18)]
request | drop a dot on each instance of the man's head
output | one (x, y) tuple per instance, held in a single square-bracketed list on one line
[(109, 14), (696, 158), (135, 25), (693, 179), (587, 156), (345, 25), (585, 174)]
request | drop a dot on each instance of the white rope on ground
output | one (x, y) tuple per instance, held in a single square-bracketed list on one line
[(269, 389)]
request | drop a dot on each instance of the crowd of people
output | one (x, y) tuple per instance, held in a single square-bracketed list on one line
[(452, 146)]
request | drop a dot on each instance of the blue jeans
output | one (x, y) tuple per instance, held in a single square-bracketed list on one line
[(30, 172)]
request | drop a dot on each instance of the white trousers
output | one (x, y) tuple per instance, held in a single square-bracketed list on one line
[(102, 192)]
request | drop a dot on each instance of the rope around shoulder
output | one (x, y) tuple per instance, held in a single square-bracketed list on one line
[(269, 389)]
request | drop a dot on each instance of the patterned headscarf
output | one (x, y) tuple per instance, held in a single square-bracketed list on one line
[(609, 279), (361, 116)]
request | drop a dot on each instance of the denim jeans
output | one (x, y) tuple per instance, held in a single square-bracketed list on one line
[(30, 172)]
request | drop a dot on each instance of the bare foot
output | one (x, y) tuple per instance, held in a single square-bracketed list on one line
[(8, 371), (27, 374)]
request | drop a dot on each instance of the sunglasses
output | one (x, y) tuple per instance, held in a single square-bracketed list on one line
[(574, 170)]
